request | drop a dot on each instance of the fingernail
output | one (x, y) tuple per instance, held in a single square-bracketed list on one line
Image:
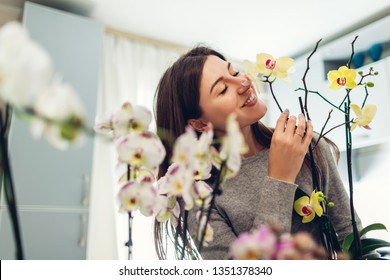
[(286, 110), (245, 83)]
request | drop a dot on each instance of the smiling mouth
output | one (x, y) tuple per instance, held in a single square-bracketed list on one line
[(250, 98)]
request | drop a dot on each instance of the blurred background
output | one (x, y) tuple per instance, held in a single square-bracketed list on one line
[(114, 51)]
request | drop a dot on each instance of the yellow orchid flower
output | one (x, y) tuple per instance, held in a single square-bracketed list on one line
[(309, 207), (279, 68), (364, 116), (252, 74), (343, 77)]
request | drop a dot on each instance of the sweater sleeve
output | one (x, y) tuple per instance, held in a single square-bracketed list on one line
[(276, 201)]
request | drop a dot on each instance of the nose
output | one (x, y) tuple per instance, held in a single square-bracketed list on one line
[(245, 84)]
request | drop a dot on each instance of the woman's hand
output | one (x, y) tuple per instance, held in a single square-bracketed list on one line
[(289, 145)]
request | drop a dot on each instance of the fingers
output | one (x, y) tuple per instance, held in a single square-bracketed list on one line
[(281, 122), (309, 133), (301, 127), (287, 125)]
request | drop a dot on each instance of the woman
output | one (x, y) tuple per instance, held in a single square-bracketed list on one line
[(202, 87)]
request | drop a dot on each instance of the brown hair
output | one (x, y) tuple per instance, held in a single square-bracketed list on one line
[(177, 101)]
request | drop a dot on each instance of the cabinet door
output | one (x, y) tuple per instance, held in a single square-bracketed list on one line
[(42, 174), (53, 234)]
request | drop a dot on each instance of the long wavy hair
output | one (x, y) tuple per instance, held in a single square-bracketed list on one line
[(177, 101)]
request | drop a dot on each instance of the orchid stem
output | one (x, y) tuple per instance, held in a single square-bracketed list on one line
[(356, 239), (304, 78), (9, 189), (320, 95), (365, 98), (272, 93)]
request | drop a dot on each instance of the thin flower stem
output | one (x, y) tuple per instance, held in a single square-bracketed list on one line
[(9, 190), (352, 53), (129, 243), (365, 98), (304, 78), (356, 239), (323, 127), (320, 95), (345, 98), (272, 92), (365, 75), (323, 135), (185, 241)]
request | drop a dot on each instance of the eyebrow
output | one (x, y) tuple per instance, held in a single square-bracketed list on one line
[(219, 79)]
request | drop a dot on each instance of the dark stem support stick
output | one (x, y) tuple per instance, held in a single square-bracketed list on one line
[(216, 192), (9, 191), (356, 236)]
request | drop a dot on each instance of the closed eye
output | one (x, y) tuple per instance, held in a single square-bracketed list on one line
[(224, 90)]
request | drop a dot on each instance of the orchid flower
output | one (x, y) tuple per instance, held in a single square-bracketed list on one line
[(309, 207), (143, 149), (252, 74), (136, 195), (260, 244), (60, 116), (129, 197), (167, 208), (202, 194), (269, 66), (364, 116), (178, 181), (127, 119), (343, 77), (233, 146), (25, 68), (185, 147)]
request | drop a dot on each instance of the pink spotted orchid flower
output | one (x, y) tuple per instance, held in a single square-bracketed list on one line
[(309, 207)]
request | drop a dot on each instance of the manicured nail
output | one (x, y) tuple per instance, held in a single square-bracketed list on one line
[(286, 111), (245, 83)]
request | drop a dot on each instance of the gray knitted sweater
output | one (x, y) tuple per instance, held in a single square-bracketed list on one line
[(251, 199)]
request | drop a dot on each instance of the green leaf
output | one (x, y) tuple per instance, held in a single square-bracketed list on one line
[(348, 240), (370, 244), (371, 227), (370, 84), (347, 243)]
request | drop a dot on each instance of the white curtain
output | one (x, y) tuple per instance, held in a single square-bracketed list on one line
[(130, 72)]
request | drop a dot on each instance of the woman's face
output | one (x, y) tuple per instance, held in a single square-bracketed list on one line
[(223, 90)]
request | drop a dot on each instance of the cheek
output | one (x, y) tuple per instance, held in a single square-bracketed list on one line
[(217, 112)]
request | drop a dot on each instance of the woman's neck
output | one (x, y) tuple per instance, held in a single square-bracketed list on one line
[(253, 146)]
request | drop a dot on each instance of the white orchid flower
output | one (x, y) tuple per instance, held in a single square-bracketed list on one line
[(233, 146), (185, 148), (60, 116), (129, 197), (143, 149), (25, 67)]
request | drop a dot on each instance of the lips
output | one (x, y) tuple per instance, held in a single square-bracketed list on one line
[(250, 99)]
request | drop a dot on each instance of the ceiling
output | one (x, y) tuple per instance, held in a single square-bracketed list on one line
[(239, 28)]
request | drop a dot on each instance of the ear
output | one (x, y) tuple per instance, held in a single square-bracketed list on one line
[(198, 125)]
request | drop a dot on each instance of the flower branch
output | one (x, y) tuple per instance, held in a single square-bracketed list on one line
[(304, 79)]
